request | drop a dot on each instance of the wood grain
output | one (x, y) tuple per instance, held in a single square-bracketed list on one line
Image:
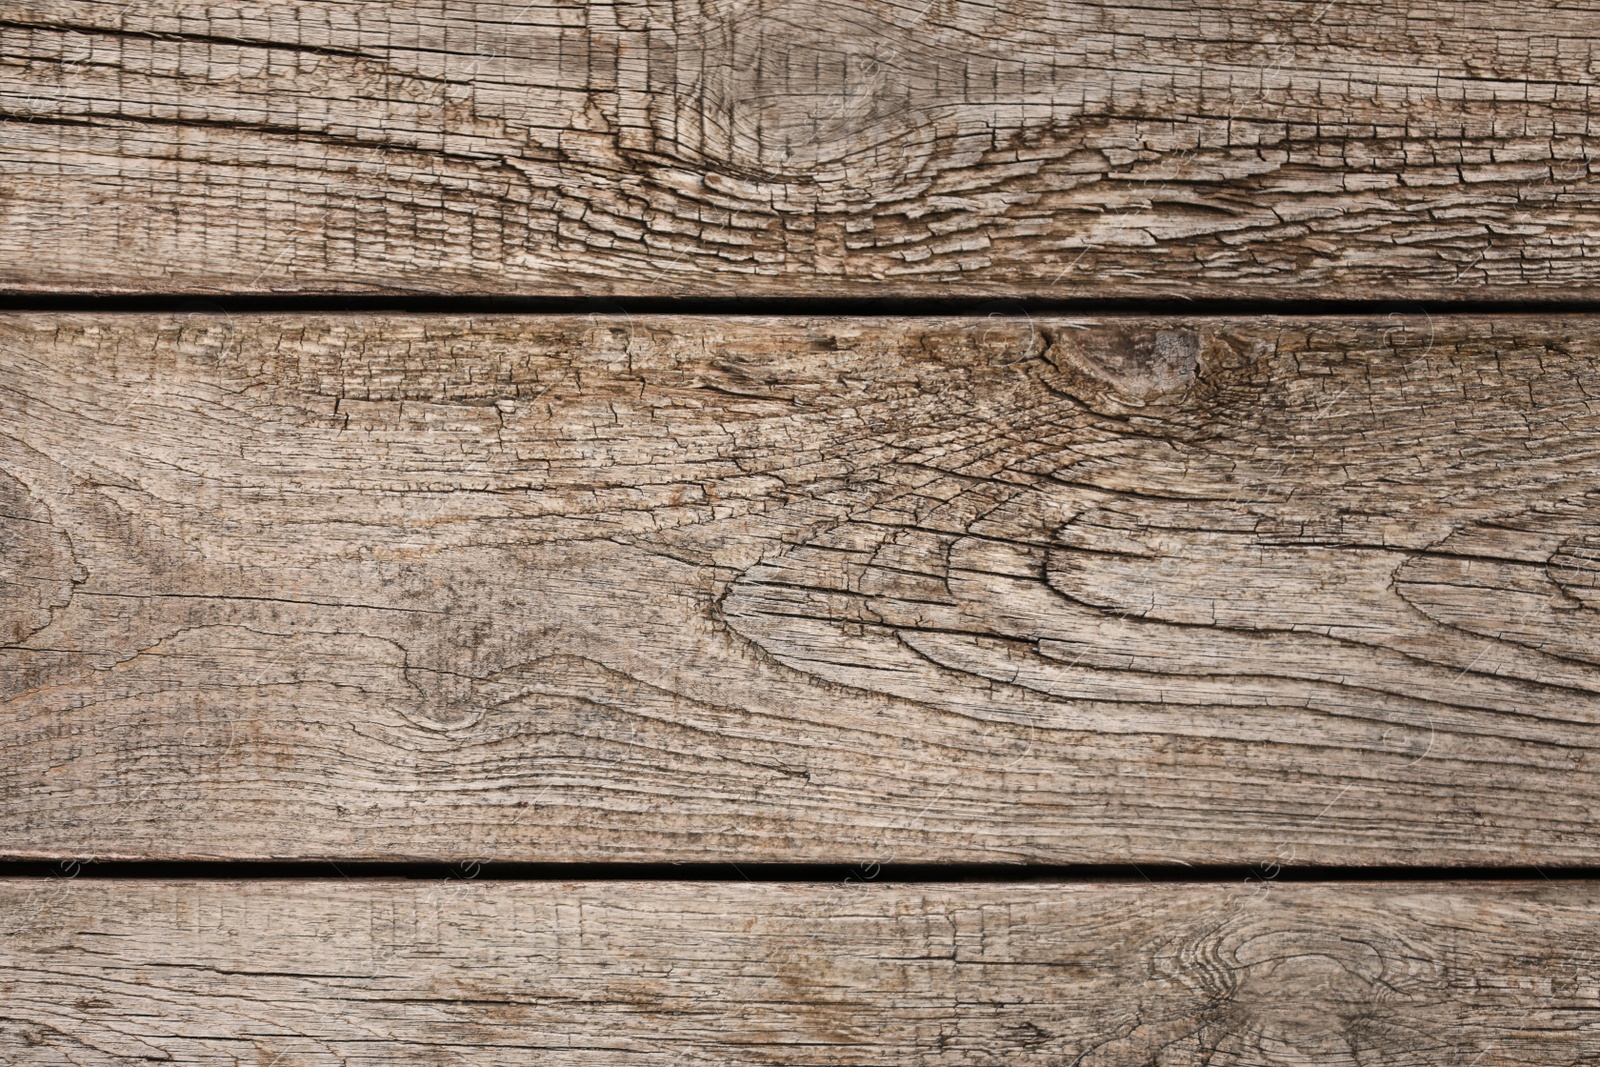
[(330, 974), (1242, 148), (1316, 590)]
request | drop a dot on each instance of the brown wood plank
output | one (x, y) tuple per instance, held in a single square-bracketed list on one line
[(794, 147), (338, 974), (1315, 590)]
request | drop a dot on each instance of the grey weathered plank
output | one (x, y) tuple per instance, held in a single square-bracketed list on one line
[(1349, 148), (562, 588), (330, 974)]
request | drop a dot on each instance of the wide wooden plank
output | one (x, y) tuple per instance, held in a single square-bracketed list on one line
[(1317, 590), (793, 147), (320, 974)]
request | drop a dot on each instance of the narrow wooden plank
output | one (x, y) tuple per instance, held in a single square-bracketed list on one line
[(1096, 148), (320, 974), (1310, 590)]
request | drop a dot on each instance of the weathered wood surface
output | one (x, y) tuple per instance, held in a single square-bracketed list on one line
[(336, 974), (568, 588), (791, 147)]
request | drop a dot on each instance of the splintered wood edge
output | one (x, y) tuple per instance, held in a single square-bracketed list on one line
[(796, 148), (107, 971)]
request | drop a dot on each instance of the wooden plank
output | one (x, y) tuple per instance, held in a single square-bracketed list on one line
[(346, 974), (795, 147), (1315, 590)]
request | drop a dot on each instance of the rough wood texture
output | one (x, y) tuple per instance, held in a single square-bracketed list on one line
[(338, 975), (563, 588), (1350, 148)]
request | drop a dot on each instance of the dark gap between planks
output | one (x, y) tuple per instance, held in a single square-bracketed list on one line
[(812, 873), (425, 304)]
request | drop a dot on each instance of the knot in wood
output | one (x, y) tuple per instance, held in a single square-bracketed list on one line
[(794, 92), (1116, 368), (1291, 990)]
